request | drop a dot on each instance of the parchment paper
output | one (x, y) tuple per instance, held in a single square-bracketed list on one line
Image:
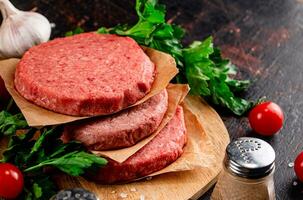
[(198, 150), (176, 94), (38, 116)]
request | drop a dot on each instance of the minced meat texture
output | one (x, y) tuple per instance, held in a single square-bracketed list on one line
[(161, 151), (86, 74), (122, 129)]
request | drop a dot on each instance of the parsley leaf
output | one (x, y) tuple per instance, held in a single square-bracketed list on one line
[(200, 64), (37, 190), (39, 187), (32, 149), (48, 150), (10, 123), (152, 30), (73, 163), (208, 75), (78, 30)]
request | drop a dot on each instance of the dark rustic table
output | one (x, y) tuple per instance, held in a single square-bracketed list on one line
[(263, 37)]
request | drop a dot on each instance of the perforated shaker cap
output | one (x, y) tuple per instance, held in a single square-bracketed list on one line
[(249, 158), (74, 194)]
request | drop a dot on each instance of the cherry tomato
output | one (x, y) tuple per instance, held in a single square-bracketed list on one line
[(11, 181), (266, 118), (299, 166)]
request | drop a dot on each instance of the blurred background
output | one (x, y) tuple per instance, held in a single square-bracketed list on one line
[(200, 17)]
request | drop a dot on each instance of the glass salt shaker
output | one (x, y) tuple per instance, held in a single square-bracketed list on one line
[(248, 169)]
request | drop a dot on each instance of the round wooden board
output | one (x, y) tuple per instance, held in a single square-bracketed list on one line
[(179, 185)]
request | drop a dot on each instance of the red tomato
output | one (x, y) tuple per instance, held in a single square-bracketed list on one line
[(266, 118), (299, 166), (11, 181)]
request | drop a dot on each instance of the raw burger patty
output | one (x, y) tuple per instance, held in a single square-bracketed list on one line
[(122, 129), (164, 149), (86, 74)]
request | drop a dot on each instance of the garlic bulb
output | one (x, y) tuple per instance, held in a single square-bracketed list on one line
[(21, 30)]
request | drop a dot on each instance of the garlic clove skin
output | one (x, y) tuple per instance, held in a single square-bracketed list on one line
[(21, 30)]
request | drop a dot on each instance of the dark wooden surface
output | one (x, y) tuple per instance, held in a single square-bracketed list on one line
[(263, 37)]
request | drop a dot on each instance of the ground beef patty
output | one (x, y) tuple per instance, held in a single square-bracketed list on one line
[(122, 129), (164, 149), (86, 74)]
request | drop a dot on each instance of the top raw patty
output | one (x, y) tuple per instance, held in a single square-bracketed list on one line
[(86, 74)]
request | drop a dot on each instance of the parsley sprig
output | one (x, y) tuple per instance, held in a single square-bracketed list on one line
[(9, 123), (209, 75), (32, 149), (201, 64)]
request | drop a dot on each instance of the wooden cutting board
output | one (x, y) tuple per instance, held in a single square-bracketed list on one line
[(170, 186), (177, 186)]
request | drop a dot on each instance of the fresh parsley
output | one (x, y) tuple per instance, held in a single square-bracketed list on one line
[(209, 76), (9, 123), (200, 64), (78, 30), (32, 149), (152, 30), (73, 163)]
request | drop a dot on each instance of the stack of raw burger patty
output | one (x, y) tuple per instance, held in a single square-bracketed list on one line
[(102, 75)]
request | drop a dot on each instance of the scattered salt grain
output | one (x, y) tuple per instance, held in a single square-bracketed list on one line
[(123, 195), (295, 183), (53, 25), (149, 178), (291, 164), (133, 189), (142, 197), (113, 192)]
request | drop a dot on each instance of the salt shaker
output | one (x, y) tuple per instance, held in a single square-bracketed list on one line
[(75, 194), (248, 169)]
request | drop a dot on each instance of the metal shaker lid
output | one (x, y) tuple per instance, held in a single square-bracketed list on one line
[(74, 194), (249, 158)]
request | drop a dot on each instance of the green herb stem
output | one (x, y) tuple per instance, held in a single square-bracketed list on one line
[(34, 167)]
